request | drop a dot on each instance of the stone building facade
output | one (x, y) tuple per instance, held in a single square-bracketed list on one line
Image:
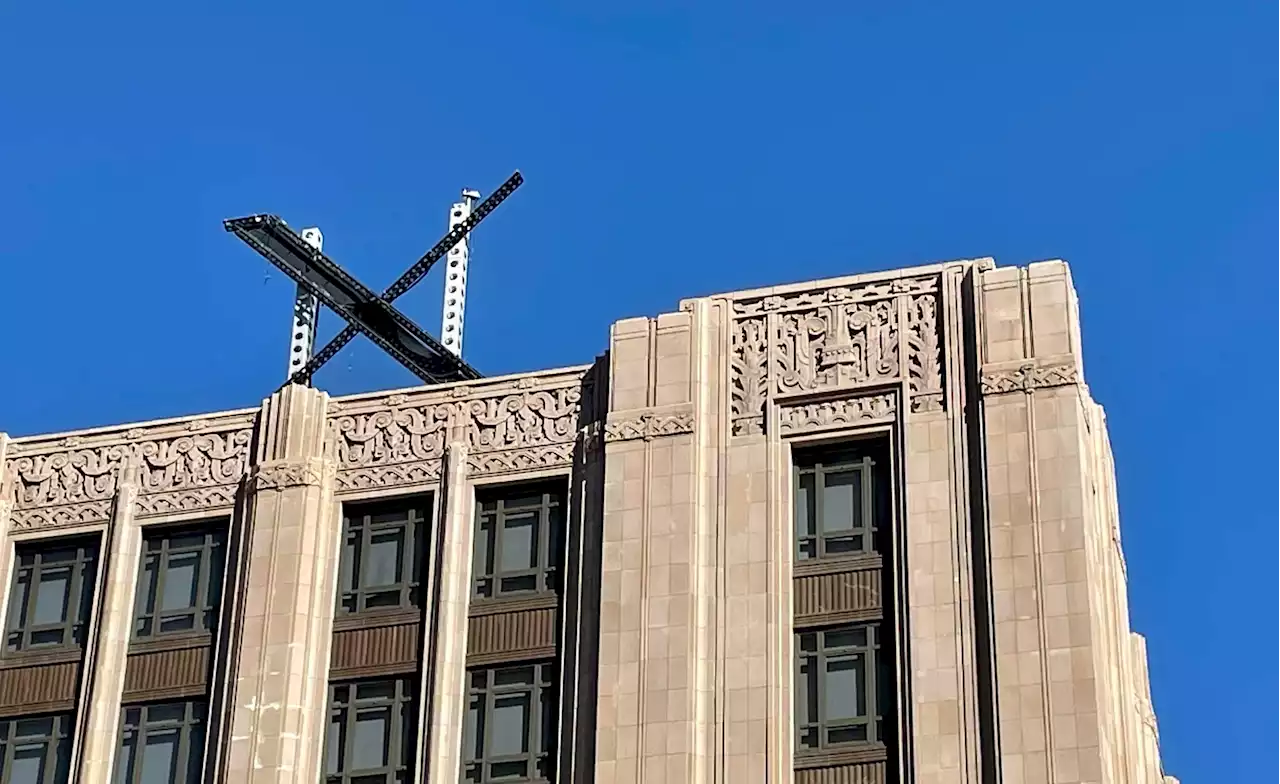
[(850, 531)]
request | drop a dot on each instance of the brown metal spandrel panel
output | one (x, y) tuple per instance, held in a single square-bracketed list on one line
[(39, 688), (839, 596), (376, 650), (512, 633), (182, 672), (856, 773)]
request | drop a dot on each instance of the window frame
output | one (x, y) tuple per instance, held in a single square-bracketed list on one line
[(819, 465), (78, 606), (134, 733), (487, 579), (541, 737), (876, 679), (57, 752), (359, 528), (401, 743), (211, 564)]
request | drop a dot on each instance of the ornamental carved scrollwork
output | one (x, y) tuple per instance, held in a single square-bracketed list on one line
[(183, 466), (648, 425), (284, 474), (385, 447), (924, 353), (836, 345), (1029, 377), (748, 378), (843, 337), (522, 424), (841, 413)]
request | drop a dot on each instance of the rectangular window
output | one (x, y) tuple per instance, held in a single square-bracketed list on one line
[(52, 594), (180, 583), (36, 750), (517, 542), (510, 730), (371, 737), (162, 742), (843, 688), (381, 565), (836, 507)]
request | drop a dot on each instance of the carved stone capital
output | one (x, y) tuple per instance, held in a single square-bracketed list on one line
[(648, 425), (283, 474), (834, 414), (1029, 376)]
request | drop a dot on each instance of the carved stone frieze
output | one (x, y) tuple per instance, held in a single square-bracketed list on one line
[(924, 353), (512, 425), (1028, 377), (838, 338), (516, 460), (283, 474), (834, 414), (191, 465), (648, 425), (808, 300)]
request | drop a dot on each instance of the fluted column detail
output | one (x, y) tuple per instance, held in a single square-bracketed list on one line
[(115, 626), (293, 536), (449, 659)]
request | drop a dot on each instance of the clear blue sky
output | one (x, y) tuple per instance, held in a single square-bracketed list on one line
[(671, 153)]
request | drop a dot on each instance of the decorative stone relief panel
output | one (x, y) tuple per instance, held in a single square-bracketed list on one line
[(835, 338), (837, 414), (1029, 376), (192, 465), (649, 425), (515, 425)]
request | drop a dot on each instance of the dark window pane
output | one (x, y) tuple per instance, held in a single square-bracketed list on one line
[(28, 764), (193, 541), (841, 505), (855, 637), (180, 582), (369, 749), (386, 549), (528, 582), (807, 693), (854, 734), (509, 770), (159, 757), (843, 687), (52, 595), (805, 506), (514, 676), (333, 746), (510, 729), (519, 542)]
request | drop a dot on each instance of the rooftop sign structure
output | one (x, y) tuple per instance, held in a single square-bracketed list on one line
[(301, 258)]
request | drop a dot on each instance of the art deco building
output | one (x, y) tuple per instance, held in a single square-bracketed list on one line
[(850, 531)]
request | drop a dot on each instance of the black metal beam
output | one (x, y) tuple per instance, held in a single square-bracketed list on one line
[(364, 310), (412, 275)]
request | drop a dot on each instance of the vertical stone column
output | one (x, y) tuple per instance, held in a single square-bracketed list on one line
[(105, 667), (653, 722), (449, 662), (6, 514), (286, 617), (1061, 621), (939, 586), (580, 606)]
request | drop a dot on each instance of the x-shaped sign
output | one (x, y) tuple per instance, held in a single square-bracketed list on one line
[(364, 311)]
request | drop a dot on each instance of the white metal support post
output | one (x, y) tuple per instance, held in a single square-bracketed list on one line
[(302, 340)]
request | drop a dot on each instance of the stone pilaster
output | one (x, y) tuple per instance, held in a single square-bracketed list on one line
[(580, 605), (448, 671), (106, 665), (285, 621), (6, 513), (941, 606)]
